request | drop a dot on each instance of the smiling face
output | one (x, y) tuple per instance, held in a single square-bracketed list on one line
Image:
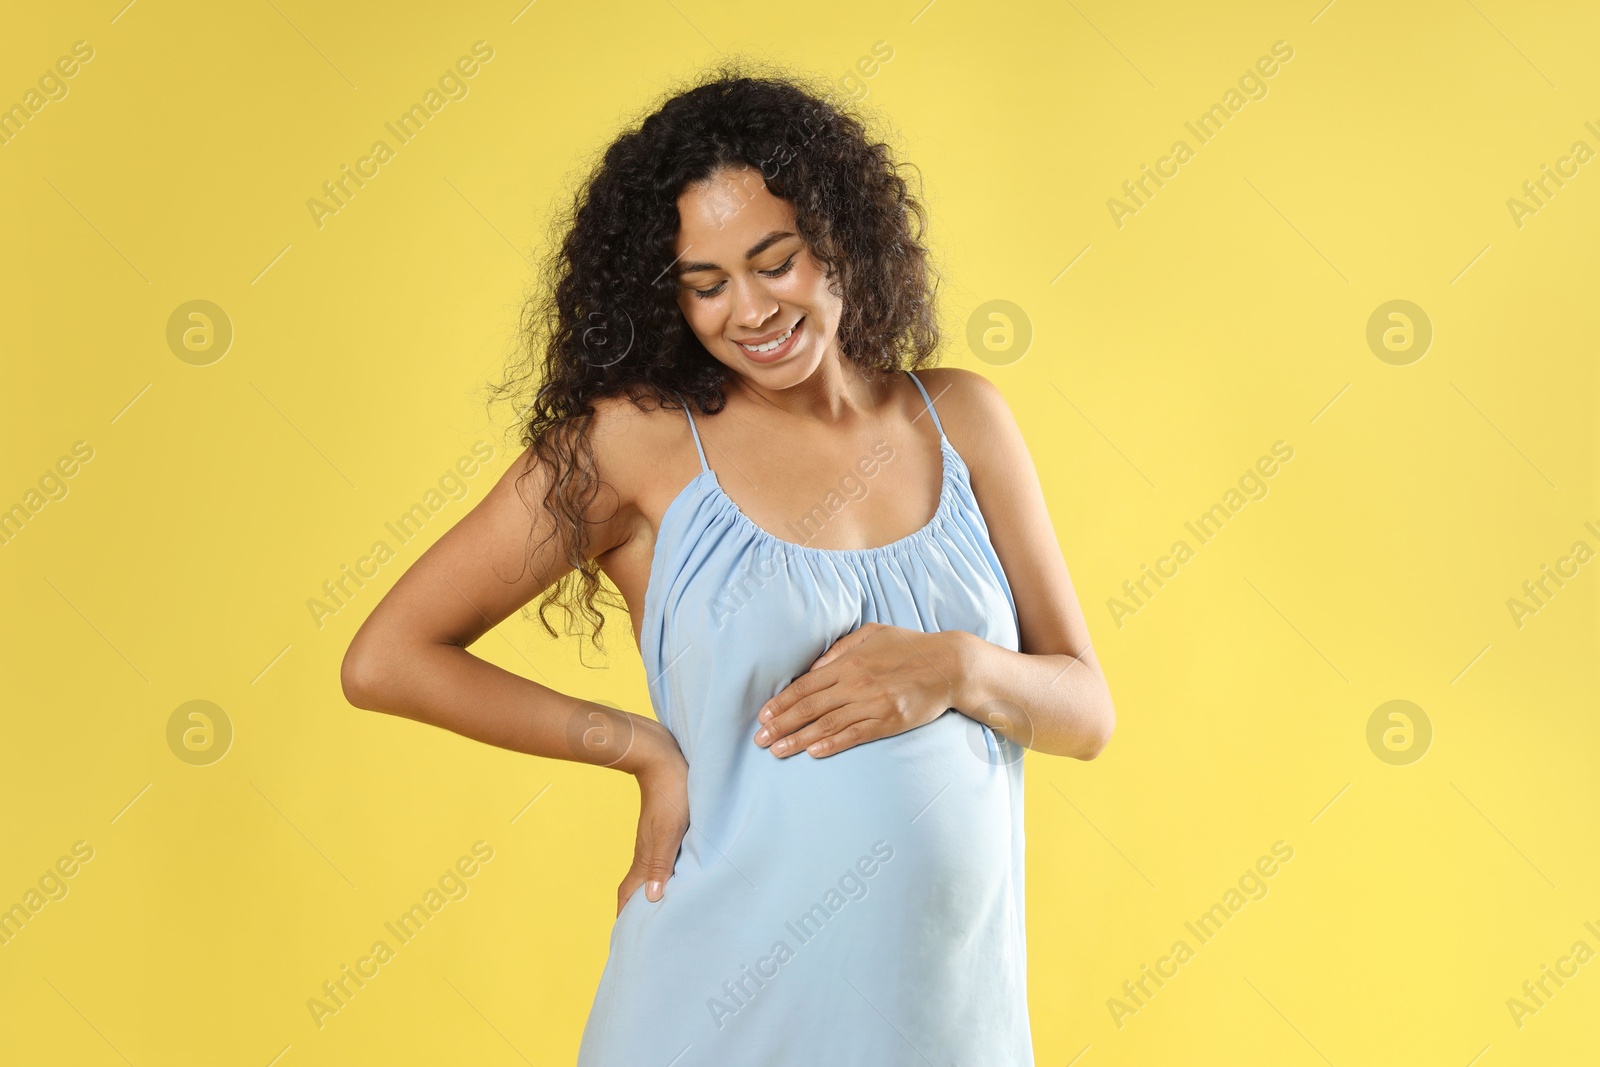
[(748, 285)]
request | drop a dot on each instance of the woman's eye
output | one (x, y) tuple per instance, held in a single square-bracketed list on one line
[(778, 272), (775, 272)]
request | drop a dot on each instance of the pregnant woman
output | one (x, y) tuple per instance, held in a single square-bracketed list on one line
[(851, 606)]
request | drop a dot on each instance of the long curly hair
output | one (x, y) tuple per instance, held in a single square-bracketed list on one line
[(604, 319)]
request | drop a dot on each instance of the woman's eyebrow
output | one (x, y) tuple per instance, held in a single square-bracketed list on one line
[(755, 250)]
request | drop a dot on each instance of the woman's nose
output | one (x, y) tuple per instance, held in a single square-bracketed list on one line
[(752, 309)]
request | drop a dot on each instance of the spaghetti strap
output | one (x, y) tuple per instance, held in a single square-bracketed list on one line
[(703, 465), (928, 402)]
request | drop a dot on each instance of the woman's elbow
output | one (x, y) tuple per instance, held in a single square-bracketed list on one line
[(358, 676), (1098, 738)]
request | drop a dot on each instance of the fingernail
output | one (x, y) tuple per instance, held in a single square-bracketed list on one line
[(778, 748), (762, 735), (766, 713), (652, 890)]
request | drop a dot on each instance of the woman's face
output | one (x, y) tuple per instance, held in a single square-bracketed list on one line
[(747, 278)]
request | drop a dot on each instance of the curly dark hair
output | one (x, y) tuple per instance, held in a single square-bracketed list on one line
[(604, 321)]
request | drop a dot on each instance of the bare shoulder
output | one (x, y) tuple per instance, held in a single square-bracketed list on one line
[(975, 414), (643, 454), (621, 435), (964, 395), (637, 450), (639, 444)]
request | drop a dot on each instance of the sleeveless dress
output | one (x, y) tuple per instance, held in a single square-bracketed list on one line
[(860, 908)]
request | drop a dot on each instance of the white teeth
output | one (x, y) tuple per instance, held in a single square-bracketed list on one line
[(770, 345)]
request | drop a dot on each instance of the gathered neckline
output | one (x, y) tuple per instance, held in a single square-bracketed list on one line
[(705, 484), (948, 458)]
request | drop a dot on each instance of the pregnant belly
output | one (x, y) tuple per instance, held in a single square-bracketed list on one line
[(893, 858), (940, 797), (901, 852)]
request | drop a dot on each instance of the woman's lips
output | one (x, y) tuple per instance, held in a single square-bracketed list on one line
[(779, 352)]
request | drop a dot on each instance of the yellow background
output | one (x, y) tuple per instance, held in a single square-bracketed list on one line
[(1229, 313)]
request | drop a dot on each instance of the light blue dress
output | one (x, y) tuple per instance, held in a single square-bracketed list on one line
[(861, 908)]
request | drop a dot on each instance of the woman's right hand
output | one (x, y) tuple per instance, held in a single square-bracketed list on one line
[(663, 777)]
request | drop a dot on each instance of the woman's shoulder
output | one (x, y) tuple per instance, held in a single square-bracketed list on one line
[(634, 422), (639, 445), (976, 418), (635, 451), (965, 400)]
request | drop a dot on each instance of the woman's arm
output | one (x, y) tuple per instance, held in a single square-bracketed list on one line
[(410, 658), (1050, 696)]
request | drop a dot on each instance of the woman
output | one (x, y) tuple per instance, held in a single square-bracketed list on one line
[(843, 582)]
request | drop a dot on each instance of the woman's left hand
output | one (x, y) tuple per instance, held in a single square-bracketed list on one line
[(873, 682)]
